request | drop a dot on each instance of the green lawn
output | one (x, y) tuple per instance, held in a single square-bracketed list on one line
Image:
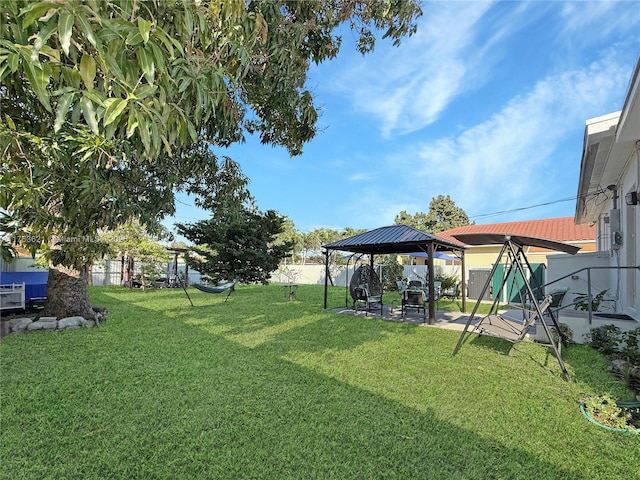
[(261, 387)]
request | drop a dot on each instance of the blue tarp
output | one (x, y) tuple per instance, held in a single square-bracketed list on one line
[(35, 283), (440, 255)]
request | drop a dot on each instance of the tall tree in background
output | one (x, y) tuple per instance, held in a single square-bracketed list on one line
[(290, 235), (419, 220), (110, 107), (237, 243), (443, 215)]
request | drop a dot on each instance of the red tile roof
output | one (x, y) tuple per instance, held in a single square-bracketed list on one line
[(559, 229)]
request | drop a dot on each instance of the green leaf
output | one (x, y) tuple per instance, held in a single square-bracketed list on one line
[(144, 91), (113, 67), (96, 96), (9, 121), (13, 60), (39, 80), (36, 10), (164, 38), (158, 56), (64, 103), (144, 132), (65, 28), (192, 131), (134, 38), (188, 21), (41, 39), (89, 114), (86, 28), (155, 136), (71, 76), (132, 124), (88, 70), (115, 107), (145, 60), (144, 27)]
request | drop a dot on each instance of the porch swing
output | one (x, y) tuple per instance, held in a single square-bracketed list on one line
[(508, 326)]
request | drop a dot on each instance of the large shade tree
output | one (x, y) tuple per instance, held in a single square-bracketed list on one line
[(110, 107)]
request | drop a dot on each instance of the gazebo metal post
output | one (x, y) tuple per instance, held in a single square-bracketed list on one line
[(326, 275), (431, 282), (463, 288), (396, 239)]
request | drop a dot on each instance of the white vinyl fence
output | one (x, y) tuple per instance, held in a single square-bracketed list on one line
[(109, 272), (314, 274)]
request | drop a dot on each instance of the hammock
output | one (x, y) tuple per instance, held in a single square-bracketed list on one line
[(218, 289)]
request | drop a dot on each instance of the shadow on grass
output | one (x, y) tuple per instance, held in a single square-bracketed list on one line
[(169, 400), (498, 345)]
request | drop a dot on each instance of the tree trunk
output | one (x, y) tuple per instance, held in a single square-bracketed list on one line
[(67, 294)]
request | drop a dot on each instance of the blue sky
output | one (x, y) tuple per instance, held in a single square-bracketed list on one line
[(486, 103)]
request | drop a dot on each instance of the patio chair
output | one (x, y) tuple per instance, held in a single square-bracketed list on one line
[(557, 295), (453, 292), (362, 298), (414, 299)]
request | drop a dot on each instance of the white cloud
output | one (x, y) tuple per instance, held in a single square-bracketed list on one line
[(359, 177), (506, 161), (406, 88), (586, 21)]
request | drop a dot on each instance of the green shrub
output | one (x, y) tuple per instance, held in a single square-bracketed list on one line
[(604, 410), (567, 333), (447, 281), (605, 339), (621, 349), (391, 272), (582, 301), (631, 349)]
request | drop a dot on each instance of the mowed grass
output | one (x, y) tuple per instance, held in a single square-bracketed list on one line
[(262, 387)]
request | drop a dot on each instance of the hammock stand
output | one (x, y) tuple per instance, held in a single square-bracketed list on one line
[(516, 263), (231, 286)]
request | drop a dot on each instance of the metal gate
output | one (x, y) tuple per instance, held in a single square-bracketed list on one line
[(514, 288)]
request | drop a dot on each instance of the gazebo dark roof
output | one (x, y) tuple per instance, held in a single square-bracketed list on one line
[(392, 239), (398, 239)]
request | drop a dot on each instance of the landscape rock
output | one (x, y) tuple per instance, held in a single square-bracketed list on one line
[(47, 319), (101, 314), (41, 326), (71, 322), (19, 325)]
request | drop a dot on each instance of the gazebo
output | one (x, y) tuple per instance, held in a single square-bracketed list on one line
[(399, 239)]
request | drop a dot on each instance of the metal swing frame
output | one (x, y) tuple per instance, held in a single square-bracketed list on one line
[(507, 328)]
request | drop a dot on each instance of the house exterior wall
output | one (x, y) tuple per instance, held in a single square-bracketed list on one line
[(609, 170), (622, 247), (568, 271), (629, 253)]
